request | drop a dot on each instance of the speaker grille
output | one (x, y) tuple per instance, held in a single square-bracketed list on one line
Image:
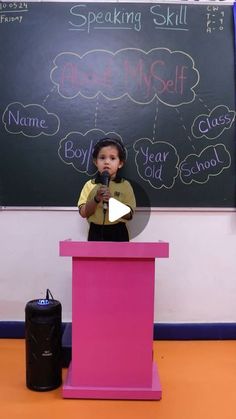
[(43, 345)]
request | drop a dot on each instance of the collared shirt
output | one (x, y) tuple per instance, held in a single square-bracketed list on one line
[(122, 191)]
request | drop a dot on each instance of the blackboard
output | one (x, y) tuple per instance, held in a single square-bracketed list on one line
[(161, 77)]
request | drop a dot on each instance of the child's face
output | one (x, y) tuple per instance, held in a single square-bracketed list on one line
[(108, 159)]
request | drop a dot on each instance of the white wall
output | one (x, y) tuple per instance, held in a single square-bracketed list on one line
[(196, 284)]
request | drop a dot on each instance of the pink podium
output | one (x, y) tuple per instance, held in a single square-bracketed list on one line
[(112, 320)]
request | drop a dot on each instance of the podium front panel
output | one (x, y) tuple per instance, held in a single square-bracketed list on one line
[(112, 329)]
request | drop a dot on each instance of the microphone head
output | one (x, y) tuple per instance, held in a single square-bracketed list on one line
[(105, 178)]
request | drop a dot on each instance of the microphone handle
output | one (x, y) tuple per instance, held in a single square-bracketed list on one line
[(105, 206), (105, 182)]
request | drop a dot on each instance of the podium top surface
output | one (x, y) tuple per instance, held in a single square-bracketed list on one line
[(114, 249)]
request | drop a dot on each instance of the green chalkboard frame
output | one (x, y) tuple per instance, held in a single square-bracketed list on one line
[(161, 77)]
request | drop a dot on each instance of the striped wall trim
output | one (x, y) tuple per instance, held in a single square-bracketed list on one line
[(162, 331), (195, 331)]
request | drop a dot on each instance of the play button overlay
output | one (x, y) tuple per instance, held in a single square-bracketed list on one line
[(117, 210), (140, 218)]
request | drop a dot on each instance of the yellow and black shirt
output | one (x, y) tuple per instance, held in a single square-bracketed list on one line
[(122, 191)]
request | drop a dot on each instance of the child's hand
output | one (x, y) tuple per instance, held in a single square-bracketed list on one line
[(103, 193)]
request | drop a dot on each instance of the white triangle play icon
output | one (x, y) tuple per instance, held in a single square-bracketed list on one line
[(117, 210)]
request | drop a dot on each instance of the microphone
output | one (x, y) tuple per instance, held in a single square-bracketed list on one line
[(105, 179)]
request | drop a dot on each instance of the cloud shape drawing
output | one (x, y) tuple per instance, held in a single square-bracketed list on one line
[(212, 125), (199, 168), (169, 76), (156, 162), (30, 120), (76, 149)]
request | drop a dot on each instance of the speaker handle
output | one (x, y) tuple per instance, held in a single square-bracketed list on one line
[(48, 293)]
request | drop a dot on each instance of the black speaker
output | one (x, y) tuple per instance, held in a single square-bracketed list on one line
[(43, 344)]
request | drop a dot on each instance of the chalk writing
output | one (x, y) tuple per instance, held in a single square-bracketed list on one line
[(76, 149), (30, 120), (170, 76), (13, 6), (169, 17), (85, 19), (214, 19), (10, 19), (210, 162), (156, 162), (213, 125), (10, 12)]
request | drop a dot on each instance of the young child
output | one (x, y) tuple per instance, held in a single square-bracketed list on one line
[(108, 155)]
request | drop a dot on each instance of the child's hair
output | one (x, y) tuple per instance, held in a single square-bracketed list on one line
[(104, 142)]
